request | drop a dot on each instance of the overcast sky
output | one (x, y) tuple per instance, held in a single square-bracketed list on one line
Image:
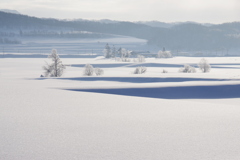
[(204, 11)]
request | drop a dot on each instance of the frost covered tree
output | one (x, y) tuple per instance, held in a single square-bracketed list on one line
[(204, 66), (88, 70), (107, 51), (141, 58), (114, 51), (56, 68), (119, 51), (124, 54), (187, 69), (164, 54), (128, 55)]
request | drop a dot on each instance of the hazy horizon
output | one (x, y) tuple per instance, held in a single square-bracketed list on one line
[(201, 11)]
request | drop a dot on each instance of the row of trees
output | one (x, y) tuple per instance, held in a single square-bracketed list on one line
[(56, 68), (112, 52), (124, 54), (203, 65), (61, 34)]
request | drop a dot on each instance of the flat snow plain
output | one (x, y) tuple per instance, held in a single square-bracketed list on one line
[(120, 115)]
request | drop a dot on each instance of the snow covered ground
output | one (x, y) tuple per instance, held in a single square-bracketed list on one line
[(120, 115)]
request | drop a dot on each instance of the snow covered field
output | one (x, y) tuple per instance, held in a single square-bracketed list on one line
[(120, 115)]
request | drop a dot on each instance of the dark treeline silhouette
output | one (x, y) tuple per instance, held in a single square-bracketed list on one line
[(67, 34), (184, 37), (9, 41)]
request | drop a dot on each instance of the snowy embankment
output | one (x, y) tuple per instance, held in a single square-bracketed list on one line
[(43, 119)]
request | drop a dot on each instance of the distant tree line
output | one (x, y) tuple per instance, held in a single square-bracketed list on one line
[(61, 34), (120, 54), (7, 34), (9, 41)]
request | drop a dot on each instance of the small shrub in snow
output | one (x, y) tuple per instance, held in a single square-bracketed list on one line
[(99, 71), (56, 68), (140, 70), (164, 54), (164, 71), (88, 70), (125, 59), (141, 58), (187, 69), (204, 65), (118, 59)]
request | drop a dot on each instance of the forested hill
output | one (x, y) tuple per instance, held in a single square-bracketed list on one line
[(186, 36), (22, 22)]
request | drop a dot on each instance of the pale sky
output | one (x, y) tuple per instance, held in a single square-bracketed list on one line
[(203, 11)]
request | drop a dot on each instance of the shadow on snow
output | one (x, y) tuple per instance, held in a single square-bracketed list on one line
[(134, 65), (185, 92), (139, 79)]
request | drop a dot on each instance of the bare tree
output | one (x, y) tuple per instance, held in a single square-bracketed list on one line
[(204, 65), (56, 68)]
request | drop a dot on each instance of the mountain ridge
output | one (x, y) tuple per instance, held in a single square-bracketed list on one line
[(184, 36)]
